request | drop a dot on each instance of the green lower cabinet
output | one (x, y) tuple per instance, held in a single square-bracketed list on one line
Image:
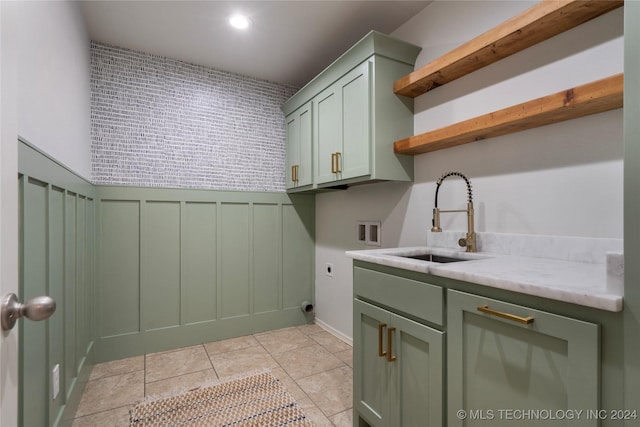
[(503, 371), (398, 370)]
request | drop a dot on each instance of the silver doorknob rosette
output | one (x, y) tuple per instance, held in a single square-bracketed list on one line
[(38, 308)]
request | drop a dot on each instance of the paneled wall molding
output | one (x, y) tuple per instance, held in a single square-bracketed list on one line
[(136, 270), (38, 164), (181, 267), (57, 258)]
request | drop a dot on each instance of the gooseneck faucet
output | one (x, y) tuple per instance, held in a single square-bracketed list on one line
[(469, 241)]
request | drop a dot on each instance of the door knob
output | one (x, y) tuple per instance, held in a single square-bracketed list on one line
[(38, 308)]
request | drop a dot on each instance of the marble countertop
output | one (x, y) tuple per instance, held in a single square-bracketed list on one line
[(574, 282)]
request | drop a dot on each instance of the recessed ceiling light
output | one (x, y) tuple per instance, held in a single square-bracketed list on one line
[(239, 21)]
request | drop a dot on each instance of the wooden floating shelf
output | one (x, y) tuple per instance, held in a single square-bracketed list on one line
[(536, 24), (595, 97)]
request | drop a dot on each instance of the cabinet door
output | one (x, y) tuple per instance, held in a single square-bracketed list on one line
[(370, 370), (354, 158), (342, 120), (292, 148), (298, 150), (416, 385), (504, 372), (398, 370), (304, 172), (328, 132)]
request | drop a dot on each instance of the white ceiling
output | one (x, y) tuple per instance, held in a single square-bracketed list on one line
[(288, 42)]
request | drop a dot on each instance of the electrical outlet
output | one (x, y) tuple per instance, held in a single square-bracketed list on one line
[(328, 269), (56, 380)]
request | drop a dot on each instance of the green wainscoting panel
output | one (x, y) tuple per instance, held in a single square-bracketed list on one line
[(90, 288), (160, 265), (234, 260), (297, 253), (139, 270), (266, 254), (34, 366), (81, 284), (199, 266), (182, 267), (56, 291), (70, 290), (120, 267), (57, 259)]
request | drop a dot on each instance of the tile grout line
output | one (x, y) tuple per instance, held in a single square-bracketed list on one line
[(101, 412), (211, 361), (286, 372), (313, 342), (144, 378)]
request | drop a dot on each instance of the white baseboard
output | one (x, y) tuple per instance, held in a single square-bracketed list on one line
[(334, 332)]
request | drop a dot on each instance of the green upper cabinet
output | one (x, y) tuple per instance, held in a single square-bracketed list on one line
[(356, 117), (497, 362), (299, 148), (342, 131)]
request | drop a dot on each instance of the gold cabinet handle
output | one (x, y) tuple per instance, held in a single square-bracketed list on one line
[(294, 178), (381, 352), (338, 158), (508, 316), (296, 173), (390, 356)]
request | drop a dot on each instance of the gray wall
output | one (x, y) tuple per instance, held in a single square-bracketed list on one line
[(53, 81), (159, 122)]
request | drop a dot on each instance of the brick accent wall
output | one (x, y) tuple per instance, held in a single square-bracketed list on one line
[(159, 122)]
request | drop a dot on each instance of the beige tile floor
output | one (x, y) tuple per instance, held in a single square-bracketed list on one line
[(313, 365)]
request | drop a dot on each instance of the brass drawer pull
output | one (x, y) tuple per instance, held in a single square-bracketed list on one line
[(294, 173), (390, 356), (381, 352), (335, 162), (508, 316)]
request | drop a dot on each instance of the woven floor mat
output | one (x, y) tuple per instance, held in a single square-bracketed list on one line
[(257, 400)]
